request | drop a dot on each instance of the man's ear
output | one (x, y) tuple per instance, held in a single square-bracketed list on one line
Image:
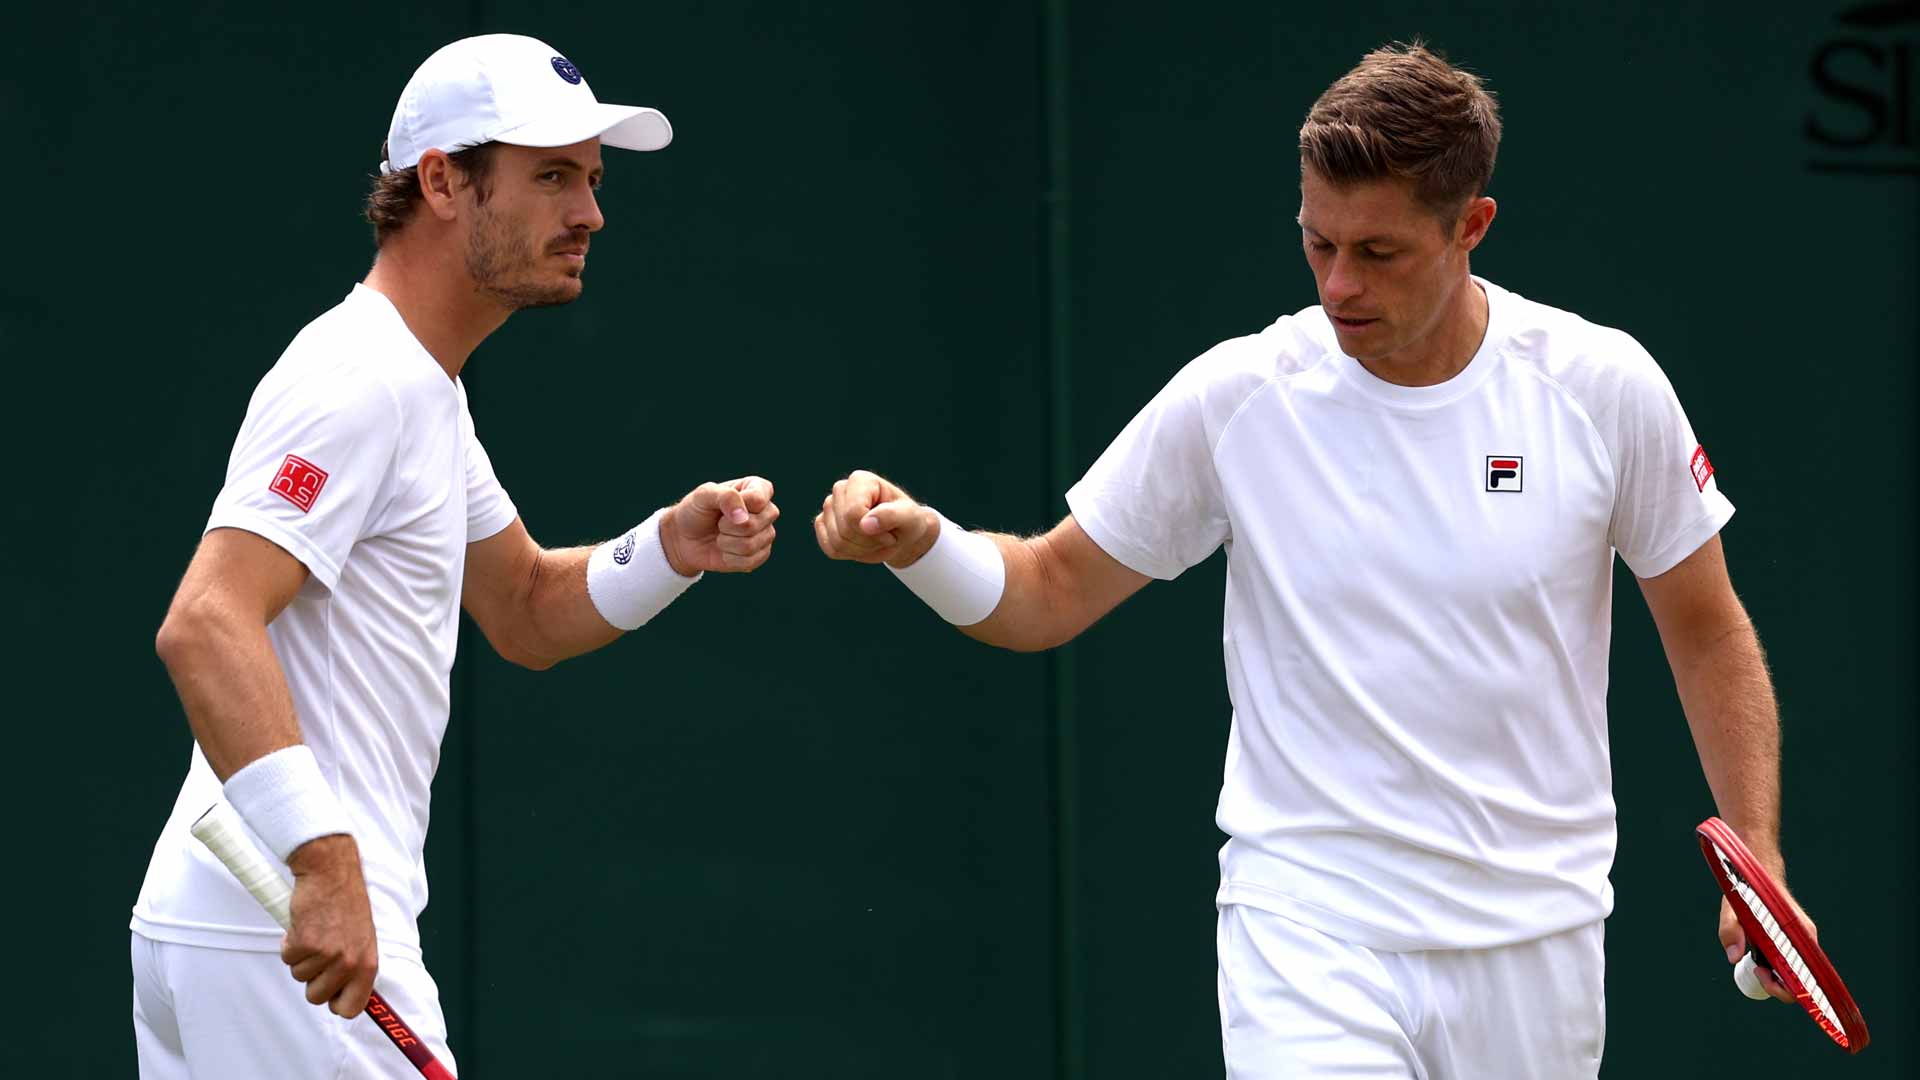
[(439, 179), (1475, 220)]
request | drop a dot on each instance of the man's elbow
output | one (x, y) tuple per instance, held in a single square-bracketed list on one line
[(530, 661), (1016, 638), (1051, 614), (1031, 647), (166, 642), (513, 652), (184, 634), (1049, 641)]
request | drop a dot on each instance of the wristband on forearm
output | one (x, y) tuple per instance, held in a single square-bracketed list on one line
[(961, 577), (285, 801), (629, 579)]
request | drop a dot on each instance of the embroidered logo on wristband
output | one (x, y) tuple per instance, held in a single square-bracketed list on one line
[(629, 580)]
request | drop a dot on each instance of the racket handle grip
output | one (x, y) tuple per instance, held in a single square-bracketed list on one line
[(1747, 980), (220, 829)]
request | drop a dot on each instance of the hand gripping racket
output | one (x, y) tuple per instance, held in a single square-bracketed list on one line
[(219, 828), (1779, 938)]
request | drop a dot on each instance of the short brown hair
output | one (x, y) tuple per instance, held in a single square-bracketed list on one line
[(1404, 113), (396, 195)]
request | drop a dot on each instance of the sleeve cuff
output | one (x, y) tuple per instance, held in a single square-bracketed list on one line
[(1086, 514), (294, 544), (1683, 545)]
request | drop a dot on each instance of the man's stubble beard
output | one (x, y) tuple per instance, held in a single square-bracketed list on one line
[(506, 272)]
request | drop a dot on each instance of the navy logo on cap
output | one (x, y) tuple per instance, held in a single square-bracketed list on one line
[(567, 71)]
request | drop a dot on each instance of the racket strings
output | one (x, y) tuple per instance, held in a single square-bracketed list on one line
[(1781, 942)]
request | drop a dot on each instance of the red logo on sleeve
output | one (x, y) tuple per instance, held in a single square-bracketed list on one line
[(1702, 468), (299, 482)]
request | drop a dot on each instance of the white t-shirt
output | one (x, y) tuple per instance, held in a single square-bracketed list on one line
[(358, 457), (1418, 610)]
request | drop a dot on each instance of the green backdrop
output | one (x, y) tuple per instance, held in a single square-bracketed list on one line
[(797, 827)]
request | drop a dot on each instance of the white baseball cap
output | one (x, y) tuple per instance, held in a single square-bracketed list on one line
[(511, 89)]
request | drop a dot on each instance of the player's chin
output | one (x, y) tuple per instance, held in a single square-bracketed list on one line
[(547, 293), (564, 289), (1370, 347)]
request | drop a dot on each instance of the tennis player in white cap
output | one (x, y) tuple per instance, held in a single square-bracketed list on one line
[(312, 636)]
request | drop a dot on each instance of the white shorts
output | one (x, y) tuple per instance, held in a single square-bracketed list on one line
[(1297, 1003), (211, 1014)]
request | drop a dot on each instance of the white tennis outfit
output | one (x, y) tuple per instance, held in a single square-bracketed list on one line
[(203, 1013), (358, 457), (1418, 614)]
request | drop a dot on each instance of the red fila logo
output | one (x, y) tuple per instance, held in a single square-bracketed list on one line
[(1505, 472), (299, 482), (1702, 468)]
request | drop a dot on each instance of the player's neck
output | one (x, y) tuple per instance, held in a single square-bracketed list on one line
[(437, 300), (1446, 351)]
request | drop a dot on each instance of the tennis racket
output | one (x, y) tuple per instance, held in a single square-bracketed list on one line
[(1779, 939), (219, 828)]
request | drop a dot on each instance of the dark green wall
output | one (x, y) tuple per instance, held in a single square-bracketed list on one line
[(797, 827)]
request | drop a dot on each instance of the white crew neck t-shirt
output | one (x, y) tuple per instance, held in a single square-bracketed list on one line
[(1418, 610), (358, 457)]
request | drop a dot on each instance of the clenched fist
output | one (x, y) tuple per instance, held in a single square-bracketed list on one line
[(867, 518), (722, 527), (330, 945)]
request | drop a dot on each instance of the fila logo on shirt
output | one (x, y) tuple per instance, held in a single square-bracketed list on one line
[(299, 482), (1505, 472)]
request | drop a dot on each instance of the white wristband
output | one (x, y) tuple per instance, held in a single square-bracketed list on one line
[(629, 579), (285, 801), (960, 577)]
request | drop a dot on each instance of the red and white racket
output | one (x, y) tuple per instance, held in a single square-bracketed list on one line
[(1779, 939), (219, 828)]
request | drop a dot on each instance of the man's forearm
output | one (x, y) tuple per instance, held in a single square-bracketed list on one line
[(1057, 585), (1034, 610), (1728, 697), (1021, 594), (231, 687), (562, 617), (561, 621)]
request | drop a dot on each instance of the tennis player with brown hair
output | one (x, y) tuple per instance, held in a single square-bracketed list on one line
[(1421, 483), (312, 637)]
